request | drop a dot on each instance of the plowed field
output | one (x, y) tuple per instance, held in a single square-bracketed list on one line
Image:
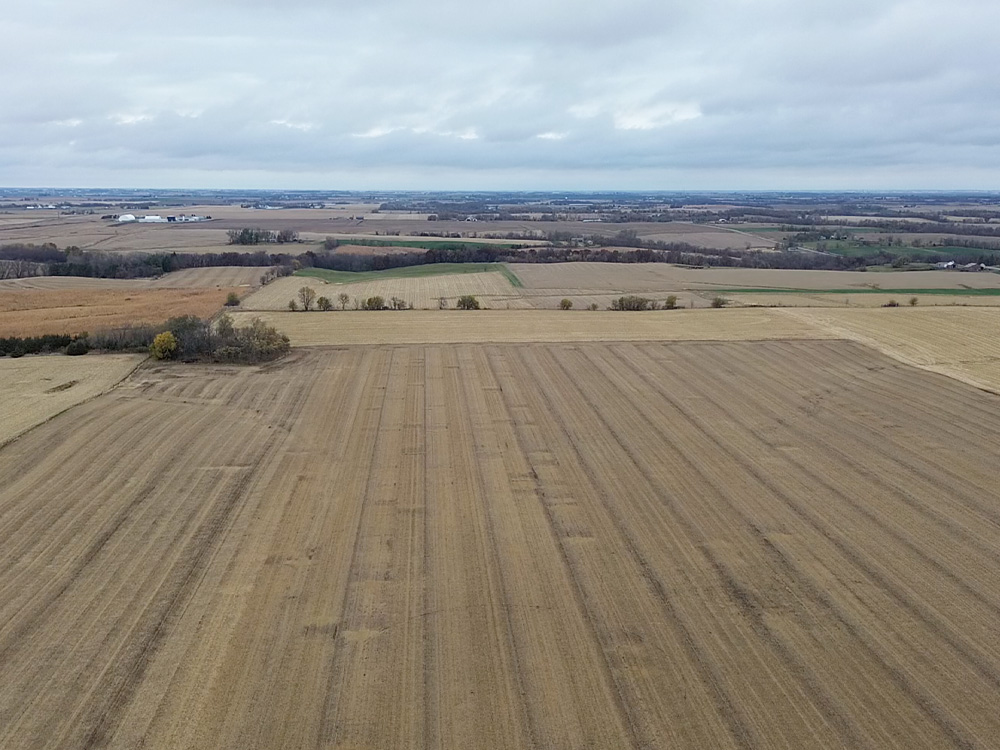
[(784, 544)]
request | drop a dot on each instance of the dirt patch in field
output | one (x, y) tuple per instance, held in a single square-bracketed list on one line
[(770, 545), (32, 312), (34, 388)]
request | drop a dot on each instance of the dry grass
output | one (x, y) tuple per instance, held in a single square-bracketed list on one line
[(773, 545), (189, 278), (870, 299), (32, 312), (492, 289), (560, 278), (35, 388), (454, 326), (961, 342)]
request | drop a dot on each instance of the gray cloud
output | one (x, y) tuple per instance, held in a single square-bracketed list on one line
[(585, 94)]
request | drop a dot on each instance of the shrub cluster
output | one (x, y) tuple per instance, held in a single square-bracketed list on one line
[(633, 303), (192, 338), (252, 236), (17, 346)]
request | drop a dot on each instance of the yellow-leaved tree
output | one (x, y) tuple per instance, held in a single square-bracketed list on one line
[(163, 346)]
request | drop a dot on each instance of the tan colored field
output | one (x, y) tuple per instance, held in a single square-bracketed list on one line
[(959, 342), (492, 289), (562, 278), (582, 299), (856, 300), (526, 326), (36, 388), (32, 312), (189, 278), (203, 278), (787, 544)]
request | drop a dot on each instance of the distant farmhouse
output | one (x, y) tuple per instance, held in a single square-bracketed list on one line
[(156, 219)]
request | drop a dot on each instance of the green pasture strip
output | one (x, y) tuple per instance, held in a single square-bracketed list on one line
[(407, 272), (862, 290), (511, 276)]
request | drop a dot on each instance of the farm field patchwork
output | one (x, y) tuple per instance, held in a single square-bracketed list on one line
[(778, 544), (33, 389)]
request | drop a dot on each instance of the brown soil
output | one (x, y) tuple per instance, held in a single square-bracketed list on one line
[(666, 545)]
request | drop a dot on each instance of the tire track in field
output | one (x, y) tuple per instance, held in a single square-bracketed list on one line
[(832, 476), (614, 421), (569, 703), (529, 445), (95, 613), (474, 700), (379, 667), (740, 729), (929, 705)]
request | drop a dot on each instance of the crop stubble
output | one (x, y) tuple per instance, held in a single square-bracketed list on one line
[(778, 544)]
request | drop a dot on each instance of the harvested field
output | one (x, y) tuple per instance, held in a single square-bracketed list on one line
[(32, 312), (216, 276), (563, 278), (787, 544), (582, 300), (35, 388), (423, 292), (961, 342), (189, 278), (513, 326), (857, 300)]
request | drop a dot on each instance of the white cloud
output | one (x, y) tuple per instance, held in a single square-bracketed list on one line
[(640, 93)]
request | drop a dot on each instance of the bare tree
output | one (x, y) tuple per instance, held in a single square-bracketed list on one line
[(343, 298), (307, 295)]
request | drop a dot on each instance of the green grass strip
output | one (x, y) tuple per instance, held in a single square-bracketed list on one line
[(409, 272), (511, 276)]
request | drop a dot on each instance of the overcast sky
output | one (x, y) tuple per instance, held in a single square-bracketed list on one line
[(520, 94)]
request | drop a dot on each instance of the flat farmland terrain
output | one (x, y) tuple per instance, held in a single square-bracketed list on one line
[(32, 312), (423, 292), (560, 278), (961, 342), (35, 388), (783, 544), (525, 326), (189, 278), (856, 299)]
